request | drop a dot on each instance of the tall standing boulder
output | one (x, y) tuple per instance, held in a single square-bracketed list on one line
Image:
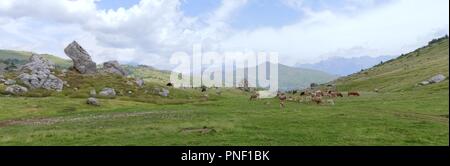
[(114, 68), (82, 61), (38, 74)]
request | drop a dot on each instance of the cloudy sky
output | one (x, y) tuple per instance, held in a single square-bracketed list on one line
[(149, 31)]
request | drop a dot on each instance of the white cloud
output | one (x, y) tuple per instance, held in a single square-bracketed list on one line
[(149, 32), (391, 29)]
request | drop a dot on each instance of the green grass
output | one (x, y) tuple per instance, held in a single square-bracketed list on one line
[(409, 118)]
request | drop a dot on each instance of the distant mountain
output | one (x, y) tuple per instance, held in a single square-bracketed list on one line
[(290, 78), (345, 66), (299, 78)]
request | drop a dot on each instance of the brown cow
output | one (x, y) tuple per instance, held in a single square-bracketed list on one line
[(353, 94), (254, 96), (317, 99), (282, 98)]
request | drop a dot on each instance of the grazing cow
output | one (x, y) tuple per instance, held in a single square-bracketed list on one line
[(318, 93), (169, 84), (339, 94), (254, 96), (317, 99), (203, 88), (302, 93), (282, 98), (353, 94)]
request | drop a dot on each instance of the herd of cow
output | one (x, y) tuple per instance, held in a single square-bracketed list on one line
[(318, 97)]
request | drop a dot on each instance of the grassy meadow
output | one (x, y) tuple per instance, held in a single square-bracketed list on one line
[(410, 118)]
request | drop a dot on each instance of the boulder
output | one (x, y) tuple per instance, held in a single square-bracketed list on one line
[(114, 68), (82, 61), (2, 80), (93, 101), (16, 89), (164, 92), (107, 92), (9, 82), (437, 78), (38, 74), (93, 93), (140, 82)]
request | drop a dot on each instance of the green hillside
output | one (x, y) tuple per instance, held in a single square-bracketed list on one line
[(405, 72), (21, 57)]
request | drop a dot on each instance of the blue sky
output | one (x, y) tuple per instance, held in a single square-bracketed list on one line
[(150, 31)]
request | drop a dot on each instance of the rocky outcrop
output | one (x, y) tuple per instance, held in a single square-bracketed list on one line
[(114, 68), (16, 90), (107, 92), (38, 74), (82, 61)]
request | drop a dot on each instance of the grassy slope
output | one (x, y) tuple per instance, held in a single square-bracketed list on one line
[(24, 56), (403, 73)]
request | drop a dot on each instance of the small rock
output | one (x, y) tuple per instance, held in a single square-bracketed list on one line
[(139, 82), (10, 82), (16, 89), (107, 92), (164, 92), (424, 83), (437, 78), (93, 93), (93, 101)]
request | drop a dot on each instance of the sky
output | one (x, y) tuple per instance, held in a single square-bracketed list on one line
[(150, 31)]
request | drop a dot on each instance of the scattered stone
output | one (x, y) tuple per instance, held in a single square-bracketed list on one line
[(93, 101), (164, 92), (107, 92), (437, 78), (114, 68), (82, 61), (16, 89), (130, 92), (93, 93), (140, 82), (38, 74), (424, 83), (9, 82)]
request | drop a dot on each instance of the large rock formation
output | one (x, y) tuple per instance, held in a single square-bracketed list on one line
[(82, 61), (38, 74), (114, 68)]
